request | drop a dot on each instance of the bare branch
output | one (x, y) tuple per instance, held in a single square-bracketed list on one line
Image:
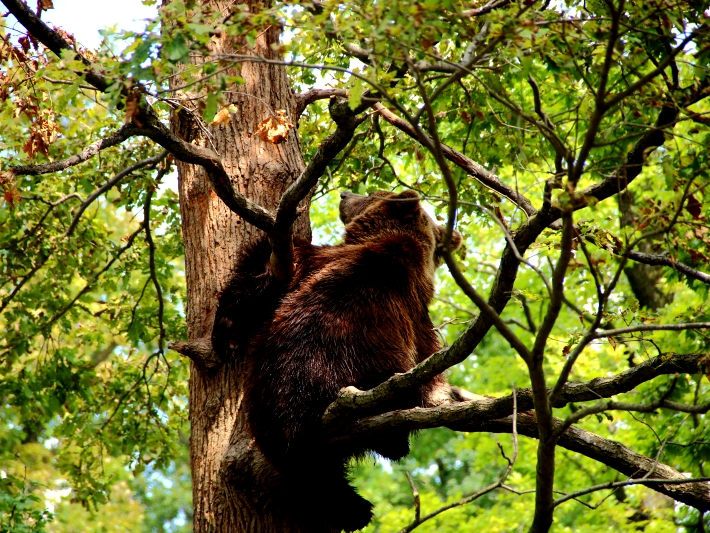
[(650, 327), (90, 151), (662, 260), (151, 261), (651, 407), (345, 118), (628, 482), (490, 6), (415, 495), (599, 108), (212, 163), (545, 468)]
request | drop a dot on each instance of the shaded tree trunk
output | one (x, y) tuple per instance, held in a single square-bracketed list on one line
[(643, 279), (230, 477)]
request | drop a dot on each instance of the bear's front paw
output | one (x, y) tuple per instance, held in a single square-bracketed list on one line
[(392, 445), (350, 514)]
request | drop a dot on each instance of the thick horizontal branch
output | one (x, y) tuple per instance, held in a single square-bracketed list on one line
[(338, 417), (90, 151), (478, 172), (610, 453)]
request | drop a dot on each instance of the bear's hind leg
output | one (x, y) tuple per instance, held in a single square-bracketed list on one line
[(319, 489)]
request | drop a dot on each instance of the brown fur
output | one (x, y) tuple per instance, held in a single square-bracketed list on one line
[(354, 314)]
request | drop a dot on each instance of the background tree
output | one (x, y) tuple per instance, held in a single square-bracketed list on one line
[(568, 142)]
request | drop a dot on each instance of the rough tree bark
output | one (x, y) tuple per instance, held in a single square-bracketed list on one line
[(226, 468)]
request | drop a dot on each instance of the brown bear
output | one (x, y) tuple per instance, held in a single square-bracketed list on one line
[(353, 314)]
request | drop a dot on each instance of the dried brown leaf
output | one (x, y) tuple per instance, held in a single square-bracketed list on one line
[(44, 5), (43, 132), (132, 109), (24, 43), (274, 129), (222, 116), (10, 192)]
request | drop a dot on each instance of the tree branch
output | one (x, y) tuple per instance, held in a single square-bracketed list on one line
[(351, 400), (490, 6), (611, 453), (468, 498), (90, 151), (150, 161), (650, 327), (610, 405), (628, 482), (303, 100), (478, 172), (347, 121), (200, 351), (52, 40), (152, 128), (661, 260)]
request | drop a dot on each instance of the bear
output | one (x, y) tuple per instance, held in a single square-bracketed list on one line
[(353, 314)]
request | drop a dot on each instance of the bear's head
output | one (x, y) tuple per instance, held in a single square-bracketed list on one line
[(383, 213)]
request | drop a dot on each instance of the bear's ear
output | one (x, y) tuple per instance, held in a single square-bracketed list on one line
[(406, 201), (408, 194), (456, 238)]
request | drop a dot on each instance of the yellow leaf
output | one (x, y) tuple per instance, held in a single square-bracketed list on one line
[(222, 116)]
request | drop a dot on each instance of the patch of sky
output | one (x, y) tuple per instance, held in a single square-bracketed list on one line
[(84, 18)]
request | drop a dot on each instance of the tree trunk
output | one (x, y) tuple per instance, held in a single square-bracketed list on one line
[(230, 478)]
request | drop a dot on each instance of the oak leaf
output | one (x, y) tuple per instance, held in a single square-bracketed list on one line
[(7, 184), (274, 129), (43, 132), (222, 116), (132, 109), (44, 5)]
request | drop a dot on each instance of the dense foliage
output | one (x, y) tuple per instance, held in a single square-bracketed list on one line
[(93, 404)]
